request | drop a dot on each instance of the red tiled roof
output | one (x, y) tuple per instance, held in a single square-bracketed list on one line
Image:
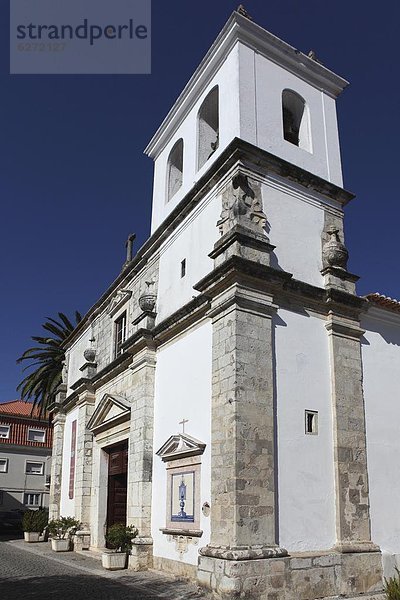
[(384, 301), (19, 417), (18, 408)]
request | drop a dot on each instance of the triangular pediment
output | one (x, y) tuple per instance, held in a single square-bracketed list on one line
[(180, 445), (111, 410), (118, 301)]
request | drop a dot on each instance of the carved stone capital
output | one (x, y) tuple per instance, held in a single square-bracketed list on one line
[(243, 242), (60, 396), (88, 370), (343, 327)]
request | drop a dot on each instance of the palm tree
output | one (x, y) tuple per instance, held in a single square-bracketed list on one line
[(41, 384)]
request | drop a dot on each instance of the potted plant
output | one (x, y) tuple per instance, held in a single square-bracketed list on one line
[(61, 531), (33, 524), (392, 586), (119, 542)]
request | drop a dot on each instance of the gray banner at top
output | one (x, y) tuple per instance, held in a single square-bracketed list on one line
[(80, 37)]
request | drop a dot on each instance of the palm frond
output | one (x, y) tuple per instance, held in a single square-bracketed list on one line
[(59, 332), (41, 384)]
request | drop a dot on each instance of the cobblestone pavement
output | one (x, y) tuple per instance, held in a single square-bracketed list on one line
[(34, 572)]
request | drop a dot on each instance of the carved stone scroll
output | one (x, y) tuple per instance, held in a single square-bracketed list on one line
[(242, 205)]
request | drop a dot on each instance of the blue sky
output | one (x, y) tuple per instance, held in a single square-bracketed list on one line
[(74, 181)]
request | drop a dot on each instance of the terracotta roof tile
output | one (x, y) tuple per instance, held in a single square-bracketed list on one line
[(18, 408), (17, 415), (384, 301)]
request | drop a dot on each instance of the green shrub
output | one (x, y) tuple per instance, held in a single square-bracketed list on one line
[(119, 537), (392, 586), (35, 520), (63, 527)]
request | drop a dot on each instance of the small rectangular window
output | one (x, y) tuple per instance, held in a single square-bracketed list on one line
[(120, 334), (5, 431), (32, 499), (36, 435), (311, 422), (34, 468), (3, 465), (183, 268)]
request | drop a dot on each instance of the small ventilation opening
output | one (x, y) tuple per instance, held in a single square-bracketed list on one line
[(311, 422), (183, 268)]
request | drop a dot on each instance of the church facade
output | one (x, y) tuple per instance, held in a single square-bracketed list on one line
[(230, 394)]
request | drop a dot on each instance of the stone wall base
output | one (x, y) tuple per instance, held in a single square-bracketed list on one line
[(175, 567), (324, 576), (81, 540), (141, 556)]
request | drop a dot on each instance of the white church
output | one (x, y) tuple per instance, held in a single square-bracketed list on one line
[(230, 394)]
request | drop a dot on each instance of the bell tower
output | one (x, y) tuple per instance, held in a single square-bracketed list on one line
[(253, 86)]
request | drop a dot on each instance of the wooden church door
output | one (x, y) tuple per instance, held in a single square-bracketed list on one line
[(117, 484)]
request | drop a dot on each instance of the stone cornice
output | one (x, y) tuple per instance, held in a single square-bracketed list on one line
[(237, 152), (340, 273), (182, 319), (280, 283), (142, 338), (84, 383), (242, 236), (111, 370), (224, 275), (344, 327), (249, 300), (90, 385), (240, 29), (381, 314)]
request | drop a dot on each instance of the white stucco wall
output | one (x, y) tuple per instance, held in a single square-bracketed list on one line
[(67, 505), (305, 462), (381, 363), (227, 80), (261, 85), (295, 224), (183, 390), (192, 241), (76, 358)]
